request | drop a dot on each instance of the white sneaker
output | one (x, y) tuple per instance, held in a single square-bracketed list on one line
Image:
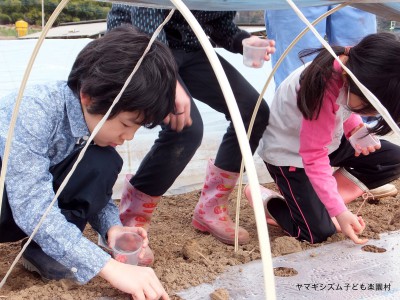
[(385, 190)]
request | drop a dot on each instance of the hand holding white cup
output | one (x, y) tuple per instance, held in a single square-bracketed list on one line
[(127, 248), (254, 51)]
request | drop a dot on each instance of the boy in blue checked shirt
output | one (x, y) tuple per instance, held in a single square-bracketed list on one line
[(53, 121)]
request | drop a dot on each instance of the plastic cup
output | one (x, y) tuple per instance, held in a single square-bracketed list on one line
[(254, 52), (127, 248), (362, 139)]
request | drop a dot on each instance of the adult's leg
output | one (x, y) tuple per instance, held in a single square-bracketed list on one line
[(169, 155), (211, 212), (167, 158), (305, 216), (284, 26), (202, 83)]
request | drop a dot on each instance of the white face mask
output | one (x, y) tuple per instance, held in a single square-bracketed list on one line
[(348, 107)]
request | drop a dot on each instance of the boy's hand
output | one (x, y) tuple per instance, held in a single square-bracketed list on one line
[(181, 117), (140, 282), (351, 225), (115, 230)]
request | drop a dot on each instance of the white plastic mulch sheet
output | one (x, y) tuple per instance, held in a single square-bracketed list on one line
[(340, 270)]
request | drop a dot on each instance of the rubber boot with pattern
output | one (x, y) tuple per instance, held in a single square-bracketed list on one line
[(211, 212), (135, 210)]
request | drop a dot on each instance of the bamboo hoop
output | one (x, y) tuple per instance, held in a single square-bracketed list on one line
[(371, 97), (239, 127), (260, 99), (95, 130), (14, 116), (262, 230)]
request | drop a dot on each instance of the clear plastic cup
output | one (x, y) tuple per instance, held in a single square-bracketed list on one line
[(127, 248), (362, 139), (254, 52)]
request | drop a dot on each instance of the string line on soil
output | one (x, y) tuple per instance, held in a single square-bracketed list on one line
[(365, 197)]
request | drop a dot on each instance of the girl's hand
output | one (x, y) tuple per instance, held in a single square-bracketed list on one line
[(363, 142), (181, 118), (351, 225), (140, 282), (115, 230)]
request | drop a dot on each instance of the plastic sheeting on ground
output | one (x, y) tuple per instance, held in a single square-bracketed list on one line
[(339, 270)]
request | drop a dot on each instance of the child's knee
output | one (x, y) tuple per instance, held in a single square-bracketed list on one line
[(322, 234)]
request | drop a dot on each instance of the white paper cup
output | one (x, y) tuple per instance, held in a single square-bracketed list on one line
[(127, 248), (254, 52)]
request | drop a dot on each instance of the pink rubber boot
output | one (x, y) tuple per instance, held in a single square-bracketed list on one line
[(135, 210), (349, 187), (211, 212), (266, 195)]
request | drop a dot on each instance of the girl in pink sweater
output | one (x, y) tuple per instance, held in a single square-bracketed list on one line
[(313, 125)]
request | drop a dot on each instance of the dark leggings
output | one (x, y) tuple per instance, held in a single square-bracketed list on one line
[(305, 216), (172, 151), (87, 192)]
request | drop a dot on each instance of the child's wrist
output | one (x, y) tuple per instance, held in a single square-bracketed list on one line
[(361, 138), (355, 129)]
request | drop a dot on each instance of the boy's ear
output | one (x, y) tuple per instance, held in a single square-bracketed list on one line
[(85, 99)]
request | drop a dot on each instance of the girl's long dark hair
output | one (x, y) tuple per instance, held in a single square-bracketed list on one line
[(314, 80), (375, 61)]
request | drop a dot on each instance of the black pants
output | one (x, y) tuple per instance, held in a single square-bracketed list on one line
[(172, 151), (87, 192), (305, 216)]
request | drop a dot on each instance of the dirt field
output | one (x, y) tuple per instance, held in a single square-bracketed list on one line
[(184, 256)]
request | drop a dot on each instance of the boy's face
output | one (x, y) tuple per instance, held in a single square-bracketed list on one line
[(115, 131)]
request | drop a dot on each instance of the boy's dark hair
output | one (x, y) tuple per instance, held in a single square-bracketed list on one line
[(102, 67), (374, 61)]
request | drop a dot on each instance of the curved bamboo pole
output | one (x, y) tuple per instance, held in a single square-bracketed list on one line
[(371, 97), (262, 229), (260, 98), (14, 116), (95, 130)]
